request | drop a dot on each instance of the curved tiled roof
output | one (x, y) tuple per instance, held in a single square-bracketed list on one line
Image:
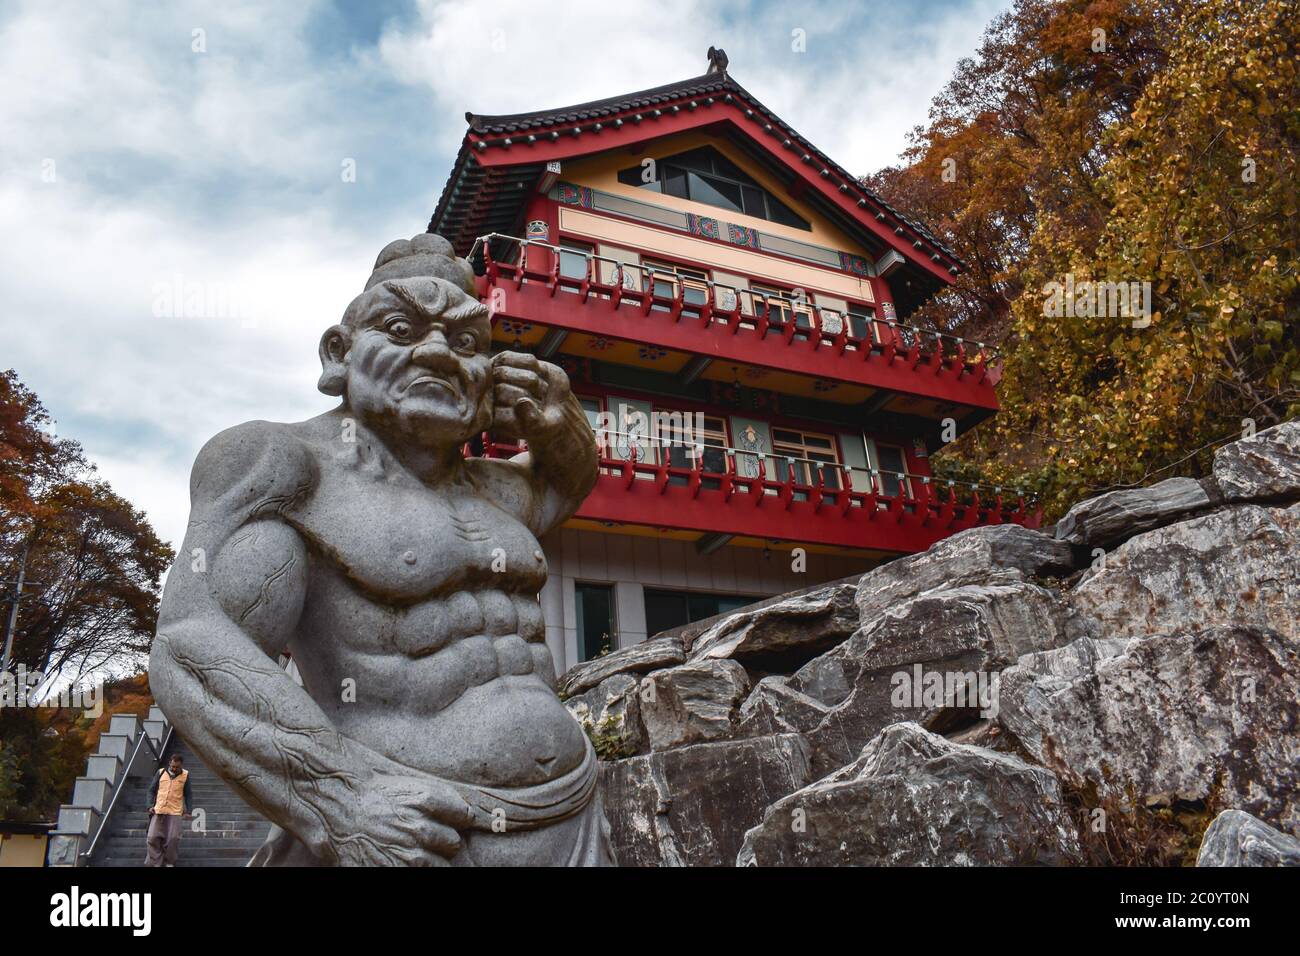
[(540, 119), (708, 84)]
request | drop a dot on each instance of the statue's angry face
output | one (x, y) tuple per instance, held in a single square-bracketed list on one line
[(412, 357)]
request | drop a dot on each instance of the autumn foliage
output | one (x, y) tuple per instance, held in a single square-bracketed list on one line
[(93, 569), (1120, 141)]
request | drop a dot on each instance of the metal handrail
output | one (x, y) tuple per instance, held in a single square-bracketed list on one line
[(801, 304), (699, 447), (121, 783)]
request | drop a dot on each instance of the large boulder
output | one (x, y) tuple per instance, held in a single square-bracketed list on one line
[(1263, 468), (1238, 565), (1198, 715), (692, 703), (988, 555), (1235, 838), (1118, 515), (958, 638), (637, 659), (774, 707), (610, 713), (691, 806), (783, 634), (913, 798)]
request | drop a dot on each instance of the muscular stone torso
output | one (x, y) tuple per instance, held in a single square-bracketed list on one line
[(426, 602)]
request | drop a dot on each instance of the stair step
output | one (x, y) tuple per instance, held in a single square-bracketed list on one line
[(233, 830)]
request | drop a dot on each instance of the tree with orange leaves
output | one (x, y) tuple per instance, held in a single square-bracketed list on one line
[(1109, 142)]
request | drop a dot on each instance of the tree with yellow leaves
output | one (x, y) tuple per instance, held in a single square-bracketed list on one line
[(1143, 146), (1201, 190)]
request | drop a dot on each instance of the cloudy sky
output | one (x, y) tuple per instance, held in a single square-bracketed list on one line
[(151, 147)]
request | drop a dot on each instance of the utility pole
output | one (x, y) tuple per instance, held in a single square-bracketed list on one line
[(13, 611)]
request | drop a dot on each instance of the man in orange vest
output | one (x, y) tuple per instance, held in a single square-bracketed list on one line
[(171, 796)]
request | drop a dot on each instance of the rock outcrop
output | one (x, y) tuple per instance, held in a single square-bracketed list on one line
[(915, 799), (946, 707), (1207, 715), (1235, 838), (988, 555), (959, 638), (1101, 521), (692, 703), (610, 713), (1265, 468), (794, 629), (637, 659), (691, 806), (1237, 565)]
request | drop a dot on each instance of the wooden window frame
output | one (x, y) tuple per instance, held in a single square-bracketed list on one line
[(804, 474)]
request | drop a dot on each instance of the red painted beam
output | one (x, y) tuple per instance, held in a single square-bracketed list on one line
[(683, 507), (532, 302)]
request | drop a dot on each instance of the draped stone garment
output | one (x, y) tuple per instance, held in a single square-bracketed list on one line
[(562, 819)]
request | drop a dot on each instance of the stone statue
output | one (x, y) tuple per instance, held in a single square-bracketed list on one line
[(402, 578)]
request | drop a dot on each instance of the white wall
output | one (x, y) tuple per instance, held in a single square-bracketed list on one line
[(633, 562)]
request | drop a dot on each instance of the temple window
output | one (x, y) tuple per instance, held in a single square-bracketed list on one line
[(704, 175)]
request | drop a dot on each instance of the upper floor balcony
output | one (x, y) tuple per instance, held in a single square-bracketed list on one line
[(733, 492), (683, 310)]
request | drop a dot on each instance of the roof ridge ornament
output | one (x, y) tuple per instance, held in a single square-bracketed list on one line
[(717, 61)]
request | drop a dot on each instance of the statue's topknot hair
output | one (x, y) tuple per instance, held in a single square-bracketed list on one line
[(423, 255)]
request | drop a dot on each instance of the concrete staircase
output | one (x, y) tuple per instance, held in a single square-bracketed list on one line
[(231, 831)]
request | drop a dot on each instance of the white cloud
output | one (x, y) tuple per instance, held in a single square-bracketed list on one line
[(222, 169), (867, 76)]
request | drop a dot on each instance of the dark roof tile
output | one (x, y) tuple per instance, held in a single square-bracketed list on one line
[(708, 83)]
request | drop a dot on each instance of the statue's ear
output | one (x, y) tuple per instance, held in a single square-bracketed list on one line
[(485, 412), (334, 346)]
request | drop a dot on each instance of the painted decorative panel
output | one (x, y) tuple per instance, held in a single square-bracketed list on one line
[(751, 435)]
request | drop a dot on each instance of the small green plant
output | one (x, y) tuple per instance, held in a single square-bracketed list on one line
[(607, 737)]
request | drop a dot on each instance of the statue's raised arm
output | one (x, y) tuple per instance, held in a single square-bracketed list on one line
[(403, 581), (532, 400)]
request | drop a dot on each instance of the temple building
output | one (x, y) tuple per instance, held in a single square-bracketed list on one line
[(732, 309)]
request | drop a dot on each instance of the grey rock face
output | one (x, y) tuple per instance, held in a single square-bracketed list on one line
[(637, 659), (803, 625), (999, 553), (1238, 565), (610, 712), (402, 578), (1198, 715), (914, 799), (692, 703), (1261, 468), (962, 637), (774, 707), (691, 806), (1235, 838), (1116, 515)]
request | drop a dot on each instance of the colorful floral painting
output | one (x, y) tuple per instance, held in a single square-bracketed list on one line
[(575, 195), (742, 235), (513, 327), (855, 265)]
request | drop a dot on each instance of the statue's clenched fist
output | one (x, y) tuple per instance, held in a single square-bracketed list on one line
[(529, 396)]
